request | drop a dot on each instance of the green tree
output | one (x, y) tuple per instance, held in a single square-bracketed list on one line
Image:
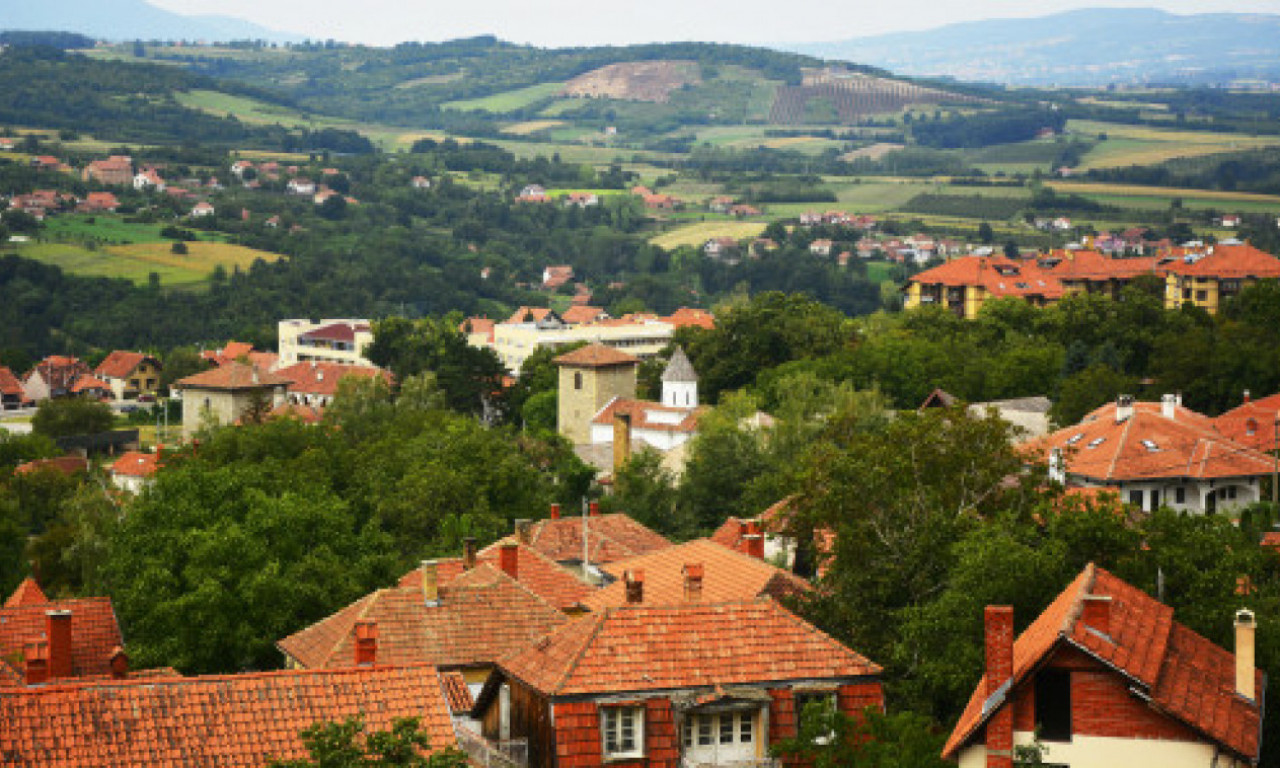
[(470, 377), (646, 491), (404, 745), (828, 738), (1082, 392), (63, 416)]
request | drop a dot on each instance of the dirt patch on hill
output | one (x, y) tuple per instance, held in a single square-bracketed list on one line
[(873, 152), (635, 81)]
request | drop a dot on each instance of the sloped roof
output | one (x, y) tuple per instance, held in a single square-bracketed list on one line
[(1252, 424), (596, 356), (1000, 276), (644, 647), (67, 465), (535, 571), (86, 383), (119, 364), (727, 576), (1186, 676), (679, 368), (610, 537), (457, 693), (582, 313), (537, 313), (94, 633), (233, 375), (1149, 445), (1230, 261), (336, 332), (9, 384), (308, 414), (236, 721), (136, 464), (1090, 265), (482, 615), (644, 415), (321, 378), (27, 593)]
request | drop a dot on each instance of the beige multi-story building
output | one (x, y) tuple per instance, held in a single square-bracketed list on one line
[(225, 394), (529, 328), (326, 341), (590, 378)]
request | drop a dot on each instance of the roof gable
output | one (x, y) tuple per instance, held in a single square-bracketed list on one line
[(27, 593), (234, 375), (609, 537), (94, 632), (535, 571), (119, 364), (596, 356)]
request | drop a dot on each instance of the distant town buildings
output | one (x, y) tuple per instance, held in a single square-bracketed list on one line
[(333, 341)]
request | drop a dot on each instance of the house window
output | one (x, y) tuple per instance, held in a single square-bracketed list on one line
[(1202, 295), (1135, 498), (623, 731), (1053, 704), (1180, 495), (577, 380), (719, 738), (811, 707)]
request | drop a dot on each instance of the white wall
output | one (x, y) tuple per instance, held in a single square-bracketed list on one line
[(1108, 752)]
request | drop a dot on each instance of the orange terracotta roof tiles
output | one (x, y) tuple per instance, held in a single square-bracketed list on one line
[(1148, 444), (94, 633), (581, 313), (645, 414), (538, 573), (88, 383), (457, 693), (1271, 539), (520, 315), (610, 537), (685, 317), (233, 375), (482, 614), (67, 465), (136, 464), (1229, 261), (119, 364), (321, 378), (27, 593), (9, 384), (596, 356), (1185, 675), (728, 576), (236, 721), (644, 648), (1252, 424), (1000, 276)]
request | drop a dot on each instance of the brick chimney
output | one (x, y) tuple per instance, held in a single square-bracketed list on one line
[(1247, 397), (1097, 613), (468, 553), (753, 544), (635, 586), (366, 642), (509, 559), (555, 511), (119, 664), (621, 441), (1246, 627), (37, 663), (58, 627), (524, 531), (430, 584), (693, 582), (998, 631), (594, 509)]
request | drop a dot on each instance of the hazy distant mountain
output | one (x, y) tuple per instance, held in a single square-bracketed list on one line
[(129, 20), (1086, 47)]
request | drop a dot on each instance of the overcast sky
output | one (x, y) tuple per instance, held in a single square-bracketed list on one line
[(574, 22)]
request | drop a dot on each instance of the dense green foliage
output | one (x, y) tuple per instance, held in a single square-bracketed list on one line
[(65, 416), (337, 745), (987, 128)]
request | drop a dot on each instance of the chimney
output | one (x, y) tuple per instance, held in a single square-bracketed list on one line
[(430, 584), (621, 441), (998, 633), (1097, 613), (509, 559), (595, 509), (555, 511), (635, 586), (119, 664), (753, 544), (58, 625), (1246, 397), (693, 582), (37, 663), (1169, 406), (366, 642), (1246, 626), (468, 553), (524, 531), (1124, 407)]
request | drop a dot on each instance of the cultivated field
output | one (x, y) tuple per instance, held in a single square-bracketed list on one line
[(136, 262), (531, 126), (1143, 145), (697, 234), (508, 101)]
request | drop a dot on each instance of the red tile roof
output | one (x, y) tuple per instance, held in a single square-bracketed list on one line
[(233, 375), (596, 356), (1150, 445), (1186, 676), (119, 364), (727, 576), (9, 384), (483, 614), (999, 275), (67, 465), (336, 332), (1229, 261), (88, 383), (94, 633), (478, 325), (643, 648), (457, 694), (27, 593), (644, 415), (537, 313), (610, 537), (1252, 424), (236, 721), (535, 571), (321, 378), (59, 372), (685, 316), (308, 414), (136, 464), (581, 313)]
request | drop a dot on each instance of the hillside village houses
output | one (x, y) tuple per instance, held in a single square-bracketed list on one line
[(226, 394), (335, 341)]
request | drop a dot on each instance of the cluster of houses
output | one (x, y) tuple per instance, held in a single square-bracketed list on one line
[(592, 640), (120, 376), (918, 249), (1195, 273)]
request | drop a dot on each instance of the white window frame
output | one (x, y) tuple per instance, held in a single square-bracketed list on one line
[(611, 725)]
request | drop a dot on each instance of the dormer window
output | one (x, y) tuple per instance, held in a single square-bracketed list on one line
[(1075, 438), (1097, 441)]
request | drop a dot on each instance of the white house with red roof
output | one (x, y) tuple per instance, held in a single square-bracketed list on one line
[(334, 341), (1157, 454), (315, 383), (148, 179), (1105, 677), (662, 425), (134, 470)]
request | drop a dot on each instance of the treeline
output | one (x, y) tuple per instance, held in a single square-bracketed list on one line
[(60, 40), (986, 129), (1257, 170)]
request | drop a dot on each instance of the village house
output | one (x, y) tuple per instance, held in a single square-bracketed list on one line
[(821, 247), (721, 249), (334, 341), (129, 374), (226, 394), (115, 171), (244, 352), (301, 186), (12, 395), (1105, 677), (7, 144), (99, 202), (315, 383), (239, 167), (694, 682), (744, 211), (134, 470), (420, 182), (91, 387), (581, 199), (202, 209), (555, 276), (148, 179), (720, 204), (584, 543), (1254, 423), (44, 640), (53, 376), (1156, 454), (533, 193)]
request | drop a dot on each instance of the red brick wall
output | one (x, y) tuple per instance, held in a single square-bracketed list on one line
[(852, 699), (578, 743)]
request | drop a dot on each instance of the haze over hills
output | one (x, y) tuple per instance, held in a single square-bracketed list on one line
[(130, 20), (1085, 48)]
